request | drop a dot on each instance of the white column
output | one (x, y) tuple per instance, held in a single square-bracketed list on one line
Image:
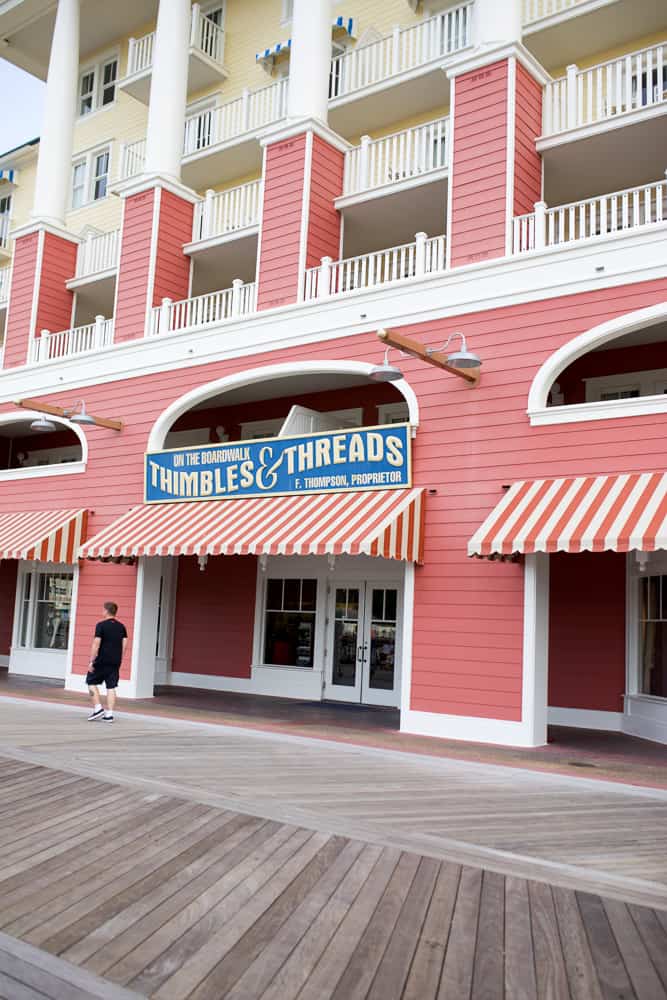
[(144, 633), (496, 22), (169, 89), (54, 166), (535, 650), (310, 60)]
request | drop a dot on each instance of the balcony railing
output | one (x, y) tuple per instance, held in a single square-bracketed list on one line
[(412, 260), (227, 212), (98, 253), (595, 217), (66, 343), (205, 36), (5, 281), (605, 91), (397, 157), (132, 159), (538, 10), (253, 110), (4, 232), (406, 49), (203, 310)]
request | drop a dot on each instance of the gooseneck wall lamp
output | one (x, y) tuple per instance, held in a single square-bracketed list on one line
[(76, 414), (463, 363)]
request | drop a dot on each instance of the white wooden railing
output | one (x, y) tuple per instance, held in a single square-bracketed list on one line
[(4, 231), (538, 10), (203, 310), (78, 340), (412, 260), (205, 36), (5, 280), (405, 49), (132, 159), (396, 157), (583, 220), (252, 110), (226, 212), (584, 97), (98, 253)]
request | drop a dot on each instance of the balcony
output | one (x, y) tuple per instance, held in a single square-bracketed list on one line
[(221, 143), (5, 243), (5, 281), (68, 343), (412, 260), (600, 125), (132, 159), (409, 63), (206, 69), (224, 236), (97, 256), (592, 219), (202, 311), (559, 32)]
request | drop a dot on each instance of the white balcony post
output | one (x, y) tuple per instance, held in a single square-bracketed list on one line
[(237, 285), (310, 60), (396, 49), (194, 24), (245, 109), (54, 166), (364, 163), (98, 337), (571, 90), (165, 311), (43, 347), (420, 254), (497, 22), (207, 218), (169, 86), (324, 278), (540, 225), (131, 55)]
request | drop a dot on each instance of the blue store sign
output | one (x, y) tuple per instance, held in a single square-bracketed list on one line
[(366, 458)]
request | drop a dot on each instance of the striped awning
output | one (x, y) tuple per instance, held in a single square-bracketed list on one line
[(44, 535), (385, 523), (579, 514), (344, 24), (9, 174)]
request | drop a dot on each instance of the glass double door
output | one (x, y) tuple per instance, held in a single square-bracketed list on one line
[(364, 644)]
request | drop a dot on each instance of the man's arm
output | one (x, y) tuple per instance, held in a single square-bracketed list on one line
[(95, 648), (122, 655)]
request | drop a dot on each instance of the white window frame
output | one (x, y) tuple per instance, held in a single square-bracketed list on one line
[(655, 565), (317, 618), (88, 159), (649, 383), (97, 93), (34, 569), (393, 413)]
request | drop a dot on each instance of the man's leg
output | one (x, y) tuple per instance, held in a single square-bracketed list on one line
[(111, 699), (97, 709)]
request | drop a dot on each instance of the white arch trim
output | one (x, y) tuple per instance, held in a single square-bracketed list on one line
[(167, 418), (39, 471), (540, 413)]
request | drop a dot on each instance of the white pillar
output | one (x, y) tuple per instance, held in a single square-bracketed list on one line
[(496, 22), (310, 60), (144, 633), (169, 89), (54, 166), (535, 649)]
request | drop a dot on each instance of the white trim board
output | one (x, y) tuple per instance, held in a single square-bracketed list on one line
[(584, 718)]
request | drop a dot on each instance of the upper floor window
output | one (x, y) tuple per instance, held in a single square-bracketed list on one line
[(90, 177), (628, 386), (6, 205), (97, 86)]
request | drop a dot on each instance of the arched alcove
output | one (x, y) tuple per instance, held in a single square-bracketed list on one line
[(24, 450)]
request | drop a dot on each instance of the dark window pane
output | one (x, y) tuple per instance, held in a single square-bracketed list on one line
[(274, 595), (289, 639), (345, 654), (353, 603), (292, 595), (308, 595), (653, 679), (382, 653), (378, 605), (110, 72), (341, 602), (654, 597), (390, 606)]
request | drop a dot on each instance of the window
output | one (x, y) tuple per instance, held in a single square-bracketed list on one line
[(289, 622), (629, 393), (393, 413), (6, 205), (628, 386), (97, 86), (90, 177), (653, 636), (45, 610)]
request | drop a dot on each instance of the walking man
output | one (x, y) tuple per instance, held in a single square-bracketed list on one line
[(106, 657)]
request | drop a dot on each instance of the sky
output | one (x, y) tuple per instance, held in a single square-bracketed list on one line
[(21, 103)]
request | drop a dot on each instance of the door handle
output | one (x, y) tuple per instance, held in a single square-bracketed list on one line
[(361, 653)]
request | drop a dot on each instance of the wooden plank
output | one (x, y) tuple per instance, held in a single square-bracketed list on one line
[(488, 976), (520, 981), (611, 972), (637, 961), (550, 970), (581, 973), (457, 972), (654, 937), (424, 976)]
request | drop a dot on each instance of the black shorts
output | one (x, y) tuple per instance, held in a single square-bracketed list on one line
[(103, 674)]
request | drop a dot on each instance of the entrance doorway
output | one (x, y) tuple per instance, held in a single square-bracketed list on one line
[(364, 662)]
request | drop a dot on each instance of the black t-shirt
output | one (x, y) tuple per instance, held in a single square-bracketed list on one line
[(111, 632)]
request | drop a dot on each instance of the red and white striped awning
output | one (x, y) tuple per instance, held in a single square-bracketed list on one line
[(580, 514), (45, 535), (385, 523)]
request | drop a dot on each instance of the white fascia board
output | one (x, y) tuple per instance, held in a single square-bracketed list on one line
[(627, 118), (509, 281)]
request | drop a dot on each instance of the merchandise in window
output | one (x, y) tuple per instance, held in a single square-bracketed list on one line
[(289, 622), (653, 636), (45, 611)]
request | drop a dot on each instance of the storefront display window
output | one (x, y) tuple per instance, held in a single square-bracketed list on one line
[(653, 636), (289, 622), (45, 610)]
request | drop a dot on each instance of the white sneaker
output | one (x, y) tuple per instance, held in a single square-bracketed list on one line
[(96, 713), (107, 717)]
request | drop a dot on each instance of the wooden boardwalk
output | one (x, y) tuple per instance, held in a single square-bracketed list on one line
[(173, 899)]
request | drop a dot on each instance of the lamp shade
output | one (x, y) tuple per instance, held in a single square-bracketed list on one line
[(82, 417), (42, 424), (463, 359)]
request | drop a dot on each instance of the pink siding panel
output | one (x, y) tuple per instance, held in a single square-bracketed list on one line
[(478, 185), (172, 267), (213, 627), (527, 161), (99, 582), (587, 631), (54, 308), (134, 268), (17, 334), (281, 223), (8, 574), (323, 220)]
